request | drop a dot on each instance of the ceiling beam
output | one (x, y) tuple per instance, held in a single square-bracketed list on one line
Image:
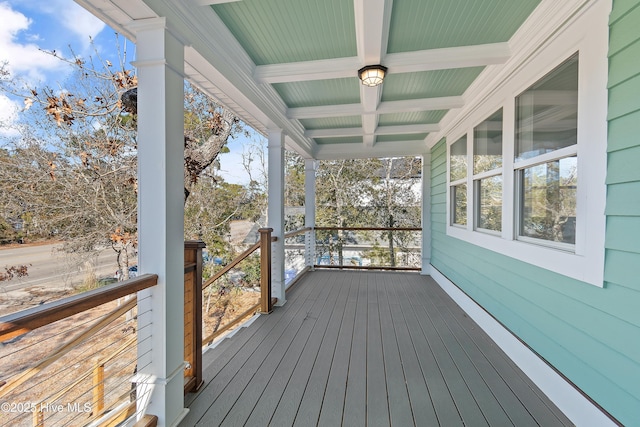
[(408, 129), (412, 105), (382, 130), (212, 2), (358, 151), (369, 99), (405, 62), (372, 29), (426, 104), (448, 58), (324, 69)]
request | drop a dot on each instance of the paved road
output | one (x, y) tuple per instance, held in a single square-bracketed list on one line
[(51, 268)]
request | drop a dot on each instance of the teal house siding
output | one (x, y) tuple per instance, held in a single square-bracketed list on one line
[(589, 334)]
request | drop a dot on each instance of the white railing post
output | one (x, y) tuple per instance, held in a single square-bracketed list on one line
[(275, 212), (310, 167), (426, 214)]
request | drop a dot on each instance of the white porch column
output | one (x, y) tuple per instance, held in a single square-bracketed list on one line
[(310, 167), (426, 214), (160, 64), (275, 212)]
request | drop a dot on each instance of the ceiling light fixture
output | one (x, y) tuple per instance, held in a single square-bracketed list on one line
[(372, 75)]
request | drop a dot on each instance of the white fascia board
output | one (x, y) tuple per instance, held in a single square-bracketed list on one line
[(202, 74), (117, 15), (306, 152)]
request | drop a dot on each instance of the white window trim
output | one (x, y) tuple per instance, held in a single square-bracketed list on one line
[(457, 182), (476, 196), (587, 35)]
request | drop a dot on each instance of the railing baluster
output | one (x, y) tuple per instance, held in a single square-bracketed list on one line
[(98, 389), (193, 314), (38, 416)]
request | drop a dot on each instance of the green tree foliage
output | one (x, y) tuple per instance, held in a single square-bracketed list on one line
[(361, 193)]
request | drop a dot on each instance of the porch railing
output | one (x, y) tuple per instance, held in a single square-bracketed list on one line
[(368, 248), (296, 253), (70, 362), (230, 277)]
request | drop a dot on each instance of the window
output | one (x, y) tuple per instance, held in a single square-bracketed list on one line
[(528, 178), (487, 170), (546, 157), (458, 181), (548, 201)]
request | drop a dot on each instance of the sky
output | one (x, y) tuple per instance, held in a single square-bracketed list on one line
[(29, 26)]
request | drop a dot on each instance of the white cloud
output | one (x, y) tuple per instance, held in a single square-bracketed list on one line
[(74, 18), (81, 22), (22, 58)]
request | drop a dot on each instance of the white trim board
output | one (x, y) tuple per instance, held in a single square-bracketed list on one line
[(567, 398)]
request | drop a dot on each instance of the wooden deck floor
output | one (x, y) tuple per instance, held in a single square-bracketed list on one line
[(366, 349)]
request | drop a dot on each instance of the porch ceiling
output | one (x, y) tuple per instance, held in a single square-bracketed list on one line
[(292, 64)]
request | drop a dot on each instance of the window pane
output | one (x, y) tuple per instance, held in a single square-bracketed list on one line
[(490, 203), (458, 159), (548, 205), (487, 144), (459, 204), (547, 113)]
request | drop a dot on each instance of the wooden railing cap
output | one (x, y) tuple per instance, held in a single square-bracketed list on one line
[(23, 321)]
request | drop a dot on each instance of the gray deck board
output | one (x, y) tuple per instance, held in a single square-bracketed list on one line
[(275, 370), (520, 401), (420, 398), (355, 400), (400, 412), (443, 403), (366, 349), (311, 397), (300, 353), (333, 400), (377, 391), (309, 377)]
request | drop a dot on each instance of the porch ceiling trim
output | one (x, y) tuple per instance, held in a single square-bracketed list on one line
[(404, 62), (428, 104), (221, 66), (355, 151), (212, 2), (382, 130)]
